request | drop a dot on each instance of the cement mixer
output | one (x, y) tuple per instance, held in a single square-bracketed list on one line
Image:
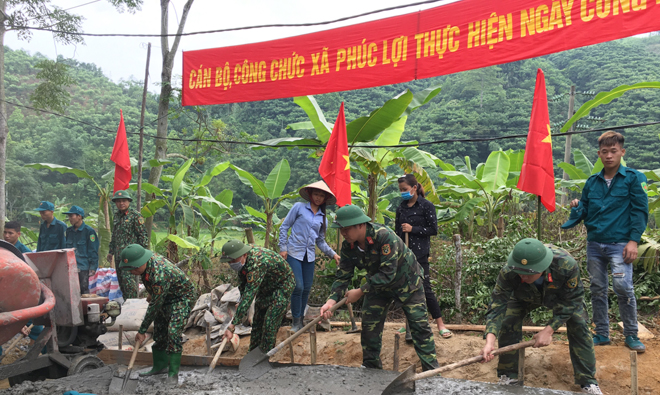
[(43, 287)]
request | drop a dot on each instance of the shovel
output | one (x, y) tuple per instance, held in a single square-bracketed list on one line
[(405, 383), (128, 384), (255, 364), (222, 347), (14, 344), (354, 328)]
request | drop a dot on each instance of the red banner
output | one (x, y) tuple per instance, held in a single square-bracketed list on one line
[(461, 36)]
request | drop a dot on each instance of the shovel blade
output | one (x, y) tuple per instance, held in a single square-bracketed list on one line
[(254, 365), (126, 384), (402, 384)]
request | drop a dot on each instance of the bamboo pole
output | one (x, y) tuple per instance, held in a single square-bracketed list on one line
[(209, 352), (395, 359), (312, 346), (521, 367), (538, 218), (121, 337), (633, 373)]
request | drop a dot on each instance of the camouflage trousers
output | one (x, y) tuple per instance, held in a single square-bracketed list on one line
[(169, 324), (374, 312), (128, 283), (580, 342), (268, 314)]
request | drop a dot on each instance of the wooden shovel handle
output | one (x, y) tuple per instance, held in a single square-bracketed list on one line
[(135, 352), (406, 239), (217, 355), (469, 361), (14, 343), (304, 329)]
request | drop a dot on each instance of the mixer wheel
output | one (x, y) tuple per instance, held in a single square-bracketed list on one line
[(84, 363)]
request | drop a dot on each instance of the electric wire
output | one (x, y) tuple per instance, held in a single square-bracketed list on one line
[(293, 145), (232, 29)]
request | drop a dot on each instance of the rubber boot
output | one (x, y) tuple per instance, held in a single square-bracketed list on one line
[(173, 373), (161, 362), (297, 324), (408, 335)]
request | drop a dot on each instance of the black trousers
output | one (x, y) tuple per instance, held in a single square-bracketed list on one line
[(431, 300)]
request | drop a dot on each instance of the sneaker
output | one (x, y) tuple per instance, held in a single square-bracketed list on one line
[(600, 340), (592, 389), (634, 344), (506, 380)]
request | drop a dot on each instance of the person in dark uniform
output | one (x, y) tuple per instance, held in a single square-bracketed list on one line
[(416, 217), (83, 238), (12, 233), (52, 233)]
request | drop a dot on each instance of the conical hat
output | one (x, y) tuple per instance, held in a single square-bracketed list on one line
[(320, 185)]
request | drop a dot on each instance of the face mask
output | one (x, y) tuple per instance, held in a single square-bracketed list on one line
[(236, 265), (406, 195)]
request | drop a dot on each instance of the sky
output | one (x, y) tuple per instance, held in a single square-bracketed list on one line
[(124, 58)]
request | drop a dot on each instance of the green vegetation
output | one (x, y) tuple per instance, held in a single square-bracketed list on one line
[(197, 204)]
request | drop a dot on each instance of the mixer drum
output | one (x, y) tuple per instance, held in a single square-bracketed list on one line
[(20, 289)]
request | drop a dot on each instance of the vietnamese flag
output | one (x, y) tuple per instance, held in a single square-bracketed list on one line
[(335, 168), (121, 158), (537, 175)]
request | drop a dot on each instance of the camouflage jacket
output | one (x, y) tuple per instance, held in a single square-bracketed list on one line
[(166, 284), (263, 273), (390, 265), (562, 291), (128, 229)]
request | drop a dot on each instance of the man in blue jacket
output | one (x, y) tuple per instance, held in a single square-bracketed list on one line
[(52, 230), (84, 239), (614, 207)]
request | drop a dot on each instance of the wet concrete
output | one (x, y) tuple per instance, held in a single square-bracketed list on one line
[(295, 380)]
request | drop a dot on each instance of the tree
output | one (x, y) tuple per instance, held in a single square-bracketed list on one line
[(165, 88), (19, 16)]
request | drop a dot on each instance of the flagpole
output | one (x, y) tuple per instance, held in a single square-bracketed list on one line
[(538, 218)]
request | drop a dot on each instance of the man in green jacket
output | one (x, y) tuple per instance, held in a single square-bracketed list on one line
[(540, 275), (128, 229), (266, 276), (52, 231), (393, 274), (173, 296), (83, 238), (615, 208)]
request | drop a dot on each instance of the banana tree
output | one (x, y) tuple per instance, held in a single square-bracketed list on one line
[(384, 126), (270, 193), (182, 195), (104, 220), (488, 188), (216, 216)]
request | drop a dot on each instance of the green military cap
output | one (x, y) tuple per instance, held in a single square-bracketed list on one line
[(122, 195), (233, 249), (134, 256), (45, 206), (349, 215), (530, 256), (76, 210)]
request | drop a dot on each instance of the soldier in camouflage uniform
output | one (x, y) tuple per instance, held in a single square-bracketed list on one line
[(393, 274), (540, 275), (128, 229), (173, 296), (263, 274)]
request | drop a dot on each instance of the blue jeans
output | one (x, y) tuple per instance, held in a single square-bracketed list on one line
[(304, 273), (599, 256)]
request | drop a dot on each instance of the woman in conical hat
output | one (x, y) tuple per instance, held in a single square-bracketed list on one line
[(307, 222)]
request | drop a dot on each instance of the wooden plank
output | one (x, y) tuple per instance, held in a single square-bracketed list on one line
[(521, 366), (457, 327), (642, 332), (145, 359)]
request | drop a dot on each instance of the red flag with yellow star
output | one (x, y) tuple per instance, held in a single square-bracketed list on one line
[(537, 175), (335, 168)]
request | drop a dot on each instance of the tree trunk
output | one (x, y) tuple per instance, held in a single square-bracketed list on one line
[(165, 91), (567, 149), (269, 227), (373, 196), (4, 128), (458, 274)]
